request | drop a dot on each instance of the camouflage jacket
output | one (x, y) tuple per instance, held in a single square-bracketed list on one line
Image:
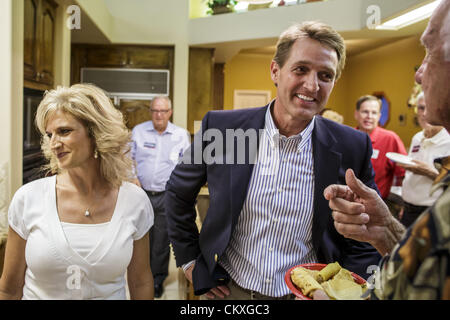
[(419, 265)]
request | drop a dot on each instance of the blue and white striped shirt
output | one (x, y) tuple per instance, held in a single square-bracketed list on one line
[(274, 229)]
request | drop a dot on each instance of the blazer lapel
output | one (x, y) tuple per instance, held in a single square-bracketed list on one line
[(326, 168)]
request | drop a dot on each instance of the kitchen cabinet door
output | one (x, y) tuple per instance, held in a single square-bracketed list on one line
[(47, 43), (39, 43)]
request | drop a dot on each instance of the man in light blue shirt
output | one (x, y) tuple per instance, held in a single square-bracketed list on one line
[(156, 147)]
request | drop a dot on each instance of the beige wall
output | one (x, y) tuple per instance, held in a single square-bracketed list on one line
[(62, 45), (11, 83), (99, 13), (247, 72), (338, 99), (389, 69), (180, 95), (197, 9)]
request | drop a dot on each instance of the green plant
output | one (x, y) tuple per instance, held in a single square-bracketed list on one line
[(213, 4)]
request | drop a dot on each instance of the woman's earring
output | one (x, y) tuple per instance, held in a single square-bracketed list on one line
[(95, 154)]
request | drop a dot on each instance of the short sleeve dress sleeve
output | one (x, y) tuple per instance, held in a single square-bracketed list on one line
[(145, 218), (16, 216)]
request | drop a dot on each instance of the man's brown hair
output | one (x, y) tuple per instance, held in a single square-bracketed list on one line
[(314, 30)]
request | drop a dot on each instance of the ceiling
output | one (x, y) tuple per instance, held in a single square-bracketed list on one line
[(356, 41), (88, 32)]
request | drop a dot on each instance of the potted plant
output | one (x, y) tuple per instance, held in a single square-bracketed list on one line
[(220, 6)]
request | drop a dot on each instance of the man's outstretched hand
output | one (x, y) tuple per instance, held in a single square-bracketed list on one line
[(360, 214)]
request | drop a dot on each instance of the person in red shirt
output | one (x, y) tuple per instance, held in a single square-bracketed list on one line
[(367, 114)]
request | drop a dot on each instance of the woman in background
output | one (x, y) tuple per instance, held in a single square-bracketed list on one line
[(427, 145), (74, 234)]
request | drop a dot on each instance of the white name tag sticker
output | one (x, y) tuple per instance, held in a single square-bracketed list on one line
[(375, 153)]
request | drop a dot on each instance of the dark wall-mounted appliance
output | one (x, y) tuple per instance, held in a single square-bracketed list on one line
[(33, 158)]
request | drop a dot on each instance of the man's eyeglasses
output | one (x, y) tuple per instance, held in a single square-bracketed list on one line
[(159, 111)]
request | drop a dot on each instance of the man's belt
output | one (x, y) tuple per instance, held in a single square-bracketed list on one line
[(154, 193), (253, 295)]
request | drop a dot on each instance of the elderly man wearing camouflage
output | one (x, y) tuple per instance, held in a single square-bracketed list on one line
[(416, 260)]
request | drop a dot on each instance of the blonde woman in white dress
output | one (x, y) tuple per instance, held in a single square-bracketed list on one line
[(76, 233)]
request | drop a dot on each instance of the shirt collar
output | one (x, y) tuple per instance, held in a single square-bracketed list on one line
[(374, 134), (169, 128), (438, 137), (274, 135)]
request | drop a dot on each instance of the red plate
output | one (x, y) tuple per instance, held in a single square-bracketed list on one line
[(312, 266)]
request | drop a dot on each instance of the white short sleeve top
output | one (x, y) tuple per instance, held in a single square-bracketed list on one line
[(416, 188), (84, 237), (54, 269)]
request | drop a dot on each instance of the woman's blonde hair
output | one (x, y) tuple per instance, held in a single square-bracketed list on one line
[(105, 124)]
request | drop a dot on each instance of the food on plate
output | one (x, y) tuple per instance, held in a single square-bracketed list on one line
[(343, 289), (337, 282), (312, 273), (320, 295), (328, 272), (305, 281), (344, 274)]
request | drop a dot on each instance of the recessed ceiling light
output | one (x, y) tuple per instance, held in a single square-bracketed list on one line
[(410, 17)]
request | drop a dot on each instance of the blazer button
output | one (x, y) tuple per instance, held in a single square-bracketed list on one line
[(216, 257)]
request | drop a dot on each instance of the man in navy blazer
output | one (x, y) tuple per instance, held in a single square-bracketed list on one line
[(226, 256)]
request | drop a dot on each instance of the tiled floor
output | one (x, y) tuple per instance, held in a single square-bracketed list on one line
[(171, 291)]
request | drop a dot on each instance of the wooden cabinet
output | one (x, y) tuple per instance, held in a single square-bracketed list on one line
[(141, 57), (120, 56), (218, 85), (135, 111), (200, 88), (106, 57), (124, 56), (30, 32), (39, 43)]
